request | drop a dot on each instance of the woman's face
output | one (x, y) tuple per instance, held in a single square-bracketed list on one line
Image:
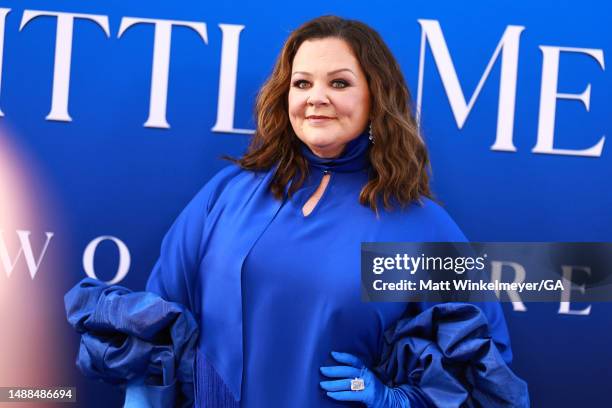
[(329, 99)]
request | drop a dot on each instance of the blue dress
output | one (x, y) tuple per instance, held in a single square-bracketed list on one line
[(274, 292)]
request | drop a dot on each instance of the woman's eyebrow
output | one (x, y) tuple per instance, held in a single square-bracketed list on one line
[(340, 70), (329, 73)]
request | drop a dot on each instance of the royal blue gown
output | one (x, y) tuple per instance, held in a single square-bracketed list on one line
[(274, 291), (277, 291)]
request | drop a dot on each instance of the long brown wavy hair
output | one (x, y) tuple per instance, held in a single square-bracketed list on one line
[(399, 160)]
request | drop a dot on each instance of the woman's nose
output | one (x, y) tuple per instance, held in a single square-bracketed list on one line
[(317, 96)]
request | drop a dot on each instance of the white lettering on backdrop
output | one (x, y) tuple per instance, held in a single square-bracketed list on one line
[(507, 51)]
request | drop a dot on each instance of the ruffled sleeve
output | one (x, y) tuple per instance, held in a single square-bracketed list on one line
[(134, 337), (445, 356), (147, 340)]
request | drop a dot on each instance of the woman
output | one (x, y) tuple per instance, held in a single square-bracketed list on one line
[(266, 256)]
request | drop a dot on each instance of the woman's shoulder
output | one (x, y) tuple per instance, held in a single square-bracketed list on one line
[(223, 177), (430, 208), (433, 217), (228, 179), (232, 172)]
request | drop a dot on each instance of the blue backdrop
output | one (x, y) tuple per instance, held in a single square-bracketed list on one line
[(102, 150)]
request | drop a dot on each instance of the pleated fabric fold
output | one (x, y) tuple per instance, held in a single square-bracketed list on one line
[(447, 352), (137, 338), (211, 390)]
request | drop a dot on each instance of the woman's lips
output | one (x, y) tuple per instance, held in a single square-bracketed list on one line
[(316, 119)]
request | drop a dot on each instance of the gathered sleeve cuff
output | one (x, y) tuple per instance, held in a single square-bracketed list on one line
[(445, 357), (132, 337)]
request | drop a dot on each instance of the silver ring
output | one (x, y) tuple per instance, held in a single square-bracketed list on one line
[(357, 384)]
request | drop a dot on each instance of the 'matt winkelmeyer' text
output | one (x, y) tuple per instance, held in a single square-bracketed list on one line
[(469, 285)]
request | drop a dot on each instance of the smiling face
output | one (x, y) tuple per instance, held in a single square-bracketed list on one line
[(329, 99)]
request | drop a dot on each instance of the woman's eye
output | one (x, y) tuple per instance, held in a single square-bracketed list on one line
[(339, 83), (336, 83), (301, 84)]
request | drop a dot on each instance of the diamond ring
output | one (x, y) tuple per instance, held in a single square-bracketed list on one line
[(357, 384)]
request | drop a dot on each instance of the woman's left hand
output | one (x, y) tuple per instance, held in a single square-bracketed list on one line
[(374, 393)]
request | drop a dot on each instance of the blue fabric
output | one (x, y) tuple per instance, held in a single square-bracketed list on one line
[(139, 394), (211, 390), (136, 394), (447, 353), (354, 158), (270, 318), (275, 292), (137, 338)]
